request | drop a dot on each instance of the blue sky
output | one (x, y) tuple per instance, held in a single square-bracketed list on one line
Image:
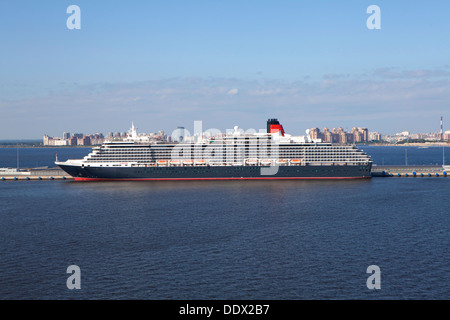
[(164, 64)]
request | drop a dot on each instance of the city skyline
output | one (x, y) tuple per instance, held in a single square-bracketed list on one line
[(163, 65), (121, 131), (335, 135)]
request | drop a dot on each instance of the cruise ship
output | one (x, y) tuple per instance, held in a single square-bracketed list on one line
[(271, 154)]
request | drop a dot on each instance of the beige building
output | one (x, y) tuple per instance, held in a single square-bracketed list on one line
[(338, 135)]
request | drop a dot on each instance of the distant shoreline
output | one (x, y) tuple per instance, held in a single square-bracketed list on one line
[(412, 144), (23, 146)]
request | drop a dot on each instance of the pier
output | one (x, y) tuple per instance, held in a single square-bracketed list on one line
[(409, 171), (35, 174), (377, 171)]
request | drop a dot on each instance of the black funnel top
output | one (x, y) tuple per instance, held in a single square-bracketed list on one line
[(270, 122)]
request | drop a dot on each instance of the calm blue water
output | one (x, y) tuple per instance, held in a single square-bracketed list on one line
[(226, 239), (395, 155), (39, 157)]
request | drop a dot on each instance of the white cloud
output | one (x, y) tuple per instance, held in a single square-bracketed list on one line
[(167, 103), (395, 73), (233, 92)]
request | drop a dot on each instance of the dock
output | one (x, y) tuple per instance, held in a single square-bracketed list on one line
[(35, 174), (409, 171), (377, 171)]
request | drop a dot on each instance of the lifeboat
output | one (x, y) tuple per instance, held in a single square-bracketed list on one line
[(296, 161), (282, 162), (175, 162), (253, 162), (188, 162), (216, 164), (200, 162), (266, 162), (161, 162)]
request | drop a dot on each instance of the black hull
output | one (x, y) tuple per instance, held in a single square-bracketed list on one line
[(217, 173)]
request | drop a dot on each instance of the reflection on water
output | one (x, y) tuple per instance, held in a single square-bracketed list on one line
[(218, 185)]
